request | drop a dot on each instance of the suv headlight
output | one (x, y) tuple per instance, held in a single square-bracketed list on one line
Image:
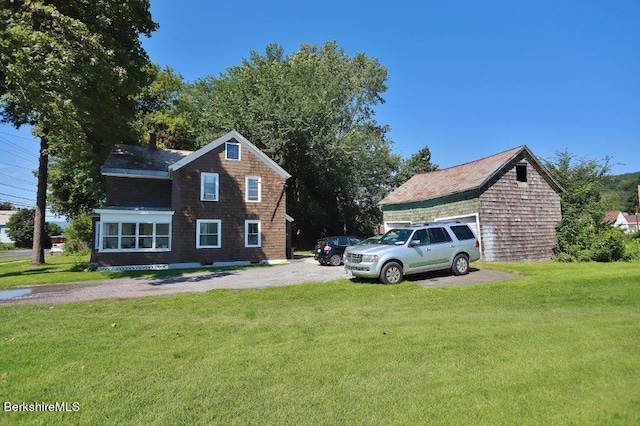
[(369, 257)]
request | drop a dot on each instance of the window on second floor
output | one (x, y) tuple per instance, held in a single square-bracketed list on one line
[(232, 151), (253, 186), (209, 186)]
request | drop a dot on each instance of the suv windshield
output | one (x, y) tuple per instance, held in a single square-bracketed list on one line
[(396, 237)]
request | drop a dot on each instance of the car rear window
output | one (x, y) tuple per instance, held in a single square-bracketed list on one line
[(463, 232)]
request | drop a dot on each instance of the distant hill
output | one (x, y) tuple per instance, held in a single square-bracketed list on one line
[(621, 192)]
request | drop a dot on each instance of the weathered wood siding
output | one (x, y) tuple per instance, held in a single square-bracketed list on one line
[(426, 212), (518, 219)]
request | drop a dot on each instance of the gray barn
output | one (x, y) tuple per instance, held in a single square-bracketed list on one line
[(509, 199)]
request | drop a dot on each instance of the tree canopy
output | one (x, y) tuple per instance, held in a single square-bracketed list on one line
[(582, 233), (71, 69), (313, 113)]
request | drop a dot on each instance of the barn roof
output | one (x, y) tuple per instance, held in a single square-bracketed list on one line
[(463, 178)]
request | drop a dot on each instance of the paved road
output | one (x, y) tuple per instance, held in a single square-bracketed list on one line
[(297, 272)]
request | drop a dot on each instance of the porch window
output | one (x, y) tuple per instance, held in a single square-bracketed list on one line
[(208, 233), (134, 236)]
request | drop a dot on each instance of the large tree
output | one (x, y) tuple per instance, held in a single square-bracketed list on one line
[(70, 69), (313, 113), (582, 233)]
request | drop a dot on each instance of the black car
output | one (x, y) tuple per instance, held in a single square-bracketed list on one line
[(329, 250)]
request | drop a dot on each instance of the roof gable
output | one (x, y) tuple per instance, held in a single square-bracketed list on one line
[(463, 178), (232, 136)]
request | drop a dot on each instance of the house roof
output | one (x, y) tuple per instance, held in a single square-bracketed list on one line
[(463, 178), (611, 216), (235, 137), (141, 161)]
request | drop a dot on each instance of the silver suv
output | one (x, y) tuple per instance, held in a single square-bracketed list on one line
[(414, 249)]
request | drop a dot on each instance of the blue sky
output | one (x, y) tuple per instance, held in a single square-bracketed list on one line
[(466, 78)]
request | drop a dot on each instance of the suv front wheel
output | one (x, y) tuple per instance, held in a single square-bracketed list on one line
[(460, 265), (391, 273)]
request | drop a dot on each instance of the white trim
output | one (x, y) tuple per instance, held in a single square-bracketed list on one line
[(476, 216), (139, 174), (246, 233), (203, 221), (246, 189), (134, 219), (226, 151), (216, 194), (192, 265), (222, 139), (387, 227)]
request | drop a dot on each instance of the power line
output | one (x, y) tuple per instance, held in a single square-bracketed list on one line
[(16, 155), (18, 147), (17, 187), (15, 196), (15, 165), (18, 136), (15, 178)]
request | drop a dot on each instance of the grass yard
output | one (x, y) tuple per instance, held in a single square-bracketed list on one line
[(18, 271), (561, 346)]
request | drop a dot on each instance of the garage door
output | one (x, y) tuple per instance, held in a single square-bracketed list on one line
[(471, 219)]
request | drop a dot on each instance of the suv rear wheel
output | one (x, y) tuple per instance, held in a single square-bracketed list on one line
[(460, 265), (391, 273), (335, 260)]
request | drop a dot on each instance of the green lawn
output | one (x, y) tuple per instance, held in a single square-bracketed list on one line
[(560, 346), (18, 271)]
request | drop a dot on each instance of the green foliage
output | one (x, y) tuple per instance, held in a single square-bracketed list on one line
[(21, 226), (557, 347), (420, 162), (5, 205), (313, 113), (621, 192), (581, 234), (70, 69), (79, 234)]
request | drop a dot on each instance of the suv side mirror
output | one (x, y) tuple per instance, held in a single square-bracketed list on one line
[(414, 243)]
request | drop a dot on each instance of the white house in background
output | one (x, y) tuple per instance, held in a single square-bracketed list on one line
[(627, 222), (4, 219)]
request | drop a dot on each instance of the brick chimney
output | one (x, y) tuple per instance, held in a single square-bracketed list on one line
[(153, 141)]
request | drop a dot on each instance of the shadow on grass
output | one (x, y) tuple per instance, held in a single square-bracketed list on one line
[(416, 278), (37, 271)]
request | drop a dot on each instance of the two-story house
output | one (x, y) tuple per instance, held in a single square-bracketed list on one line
[(222, 204)]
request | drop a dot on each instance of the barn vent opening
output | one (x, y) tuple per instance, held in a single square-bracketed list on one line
[(521, 172)]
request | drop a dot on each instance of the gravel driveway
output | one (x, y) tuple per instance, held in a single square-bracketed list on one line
[(296, 272)]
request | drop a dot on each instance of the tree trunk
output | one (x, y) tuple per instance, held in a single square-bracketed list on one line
[(37, 253)]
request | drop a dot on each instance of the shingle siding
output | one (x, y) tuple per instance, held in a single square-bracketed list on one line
[(426, 214), (518, 219), (181, 194)]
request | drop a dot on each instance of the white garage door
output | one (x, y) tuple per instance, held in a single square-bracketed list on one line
[(470, 219)]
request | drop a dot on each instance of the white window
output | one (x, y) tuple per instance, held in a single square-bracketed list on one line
[(253, 189), (232, 151), (208, 233), (252, 233), (134, 236), (133, 231), (209, 184)]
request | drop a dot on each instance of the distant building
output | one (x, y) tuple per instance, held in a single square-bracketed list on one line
[(510, 200), (627, 222), (5, 215)]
